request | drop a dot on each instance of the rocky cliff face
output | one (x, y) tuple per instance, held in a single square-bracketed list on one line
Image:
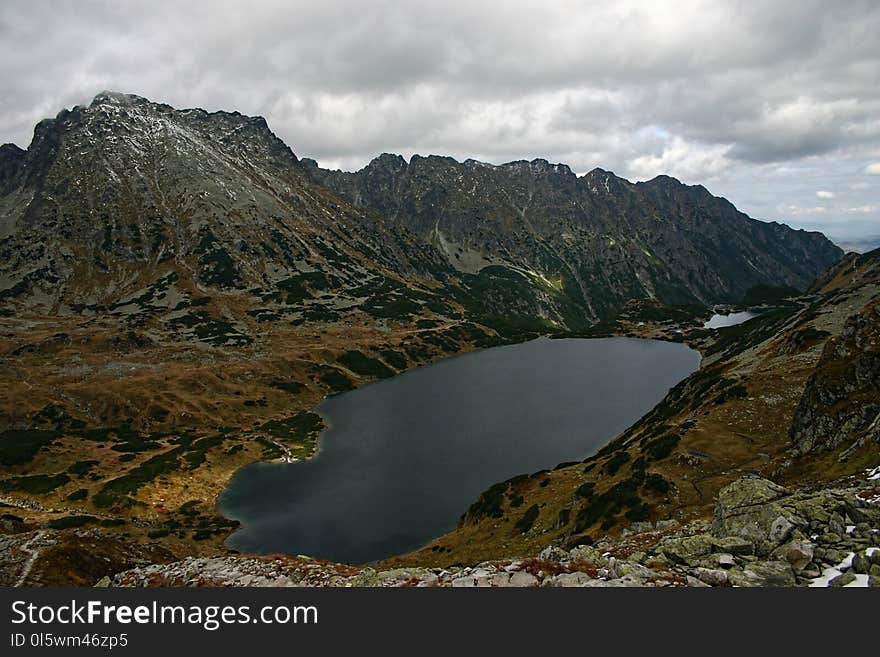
[(595, 241), (840, 407), (11, 157)]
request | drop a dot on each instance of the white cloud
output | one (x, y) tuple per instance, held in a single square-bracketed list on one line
[(798, 210), (689, 161), (863, 208), (823, 194), (873, 169)]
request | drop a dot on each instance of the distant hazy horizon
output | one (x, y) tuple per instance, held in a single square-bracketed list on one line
[(858, 245)]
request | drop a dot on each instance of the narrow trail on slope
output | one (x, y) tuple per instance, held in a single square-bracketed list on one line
[(34, 553)]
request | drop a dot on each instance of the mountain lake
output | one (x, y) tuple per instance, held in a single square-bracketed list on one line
[(403, 458), (732, 319)]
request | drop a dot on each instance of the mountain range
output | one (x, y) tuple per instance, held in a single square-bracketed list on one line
[(110, 198), (179, 290), (596, 240)]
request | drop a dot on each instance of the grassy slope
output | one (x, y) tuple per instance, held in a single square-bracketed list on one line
[(107, 422)]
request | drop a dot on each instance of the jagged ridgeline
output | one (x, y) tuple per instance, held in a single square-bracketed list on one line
[(136, 209), (582, 245)]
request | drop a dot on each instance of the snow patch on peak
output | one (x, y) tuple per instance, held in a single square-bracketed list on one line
[(115, 98)]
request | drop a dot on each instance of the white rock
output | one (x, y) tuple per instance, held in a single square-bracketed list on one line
[(693, 581), (571, 579), (500, 579), (523, 578)]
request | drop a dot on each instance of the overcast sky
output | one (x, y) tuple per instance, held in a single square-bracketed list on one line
[(774, 105)]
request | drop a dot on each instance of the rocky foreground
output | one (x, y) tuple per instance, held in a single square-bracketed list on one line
[(760, 535)]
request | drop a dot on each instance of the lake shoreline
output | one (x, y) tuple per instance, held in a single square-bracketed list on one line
[(689, 336), (223, 507)]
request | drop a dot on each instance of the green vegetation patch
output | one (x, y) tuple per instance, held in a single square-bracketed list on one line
[(489, 504), (493, 291), (363, 365), (115, 490), (605, 507), (585, 490), (34, 484), (760, 294), (196, 455), (615, 462), (189, 453), (155, 292), (528, 519), (216, 266), (657, 484), (138, 445), (731, 390), (390, 299), (125, 439), (217, 332), (394, 358), (68, 522), (81, 467), (19, 446), (334, 379), (660, 448), (56, 417), (301, 427), (645, 310), (293, 387), (295, 290)]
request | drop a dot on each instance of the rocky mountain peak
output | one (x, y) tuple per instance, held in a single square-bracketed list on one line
[(542, 167), (120, 122), (11, 157), (11, 152), (599, 180), (669, 187), (114, 193), (664, 180), (389, 161)]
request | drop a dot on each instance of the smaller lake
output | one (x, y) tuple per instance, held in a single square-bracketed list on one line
[(403, 458), (720, 321)]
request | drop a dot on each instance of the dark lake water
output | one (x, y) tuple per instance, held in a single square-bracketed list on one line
[(403, 458), (720, 321)]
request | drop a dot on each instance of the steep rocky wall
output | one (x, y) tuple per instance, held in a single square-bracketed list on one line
[(840, 407)]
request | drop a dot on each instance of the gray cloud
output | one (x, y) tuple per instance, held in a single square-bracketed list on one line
[(763, 102)]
